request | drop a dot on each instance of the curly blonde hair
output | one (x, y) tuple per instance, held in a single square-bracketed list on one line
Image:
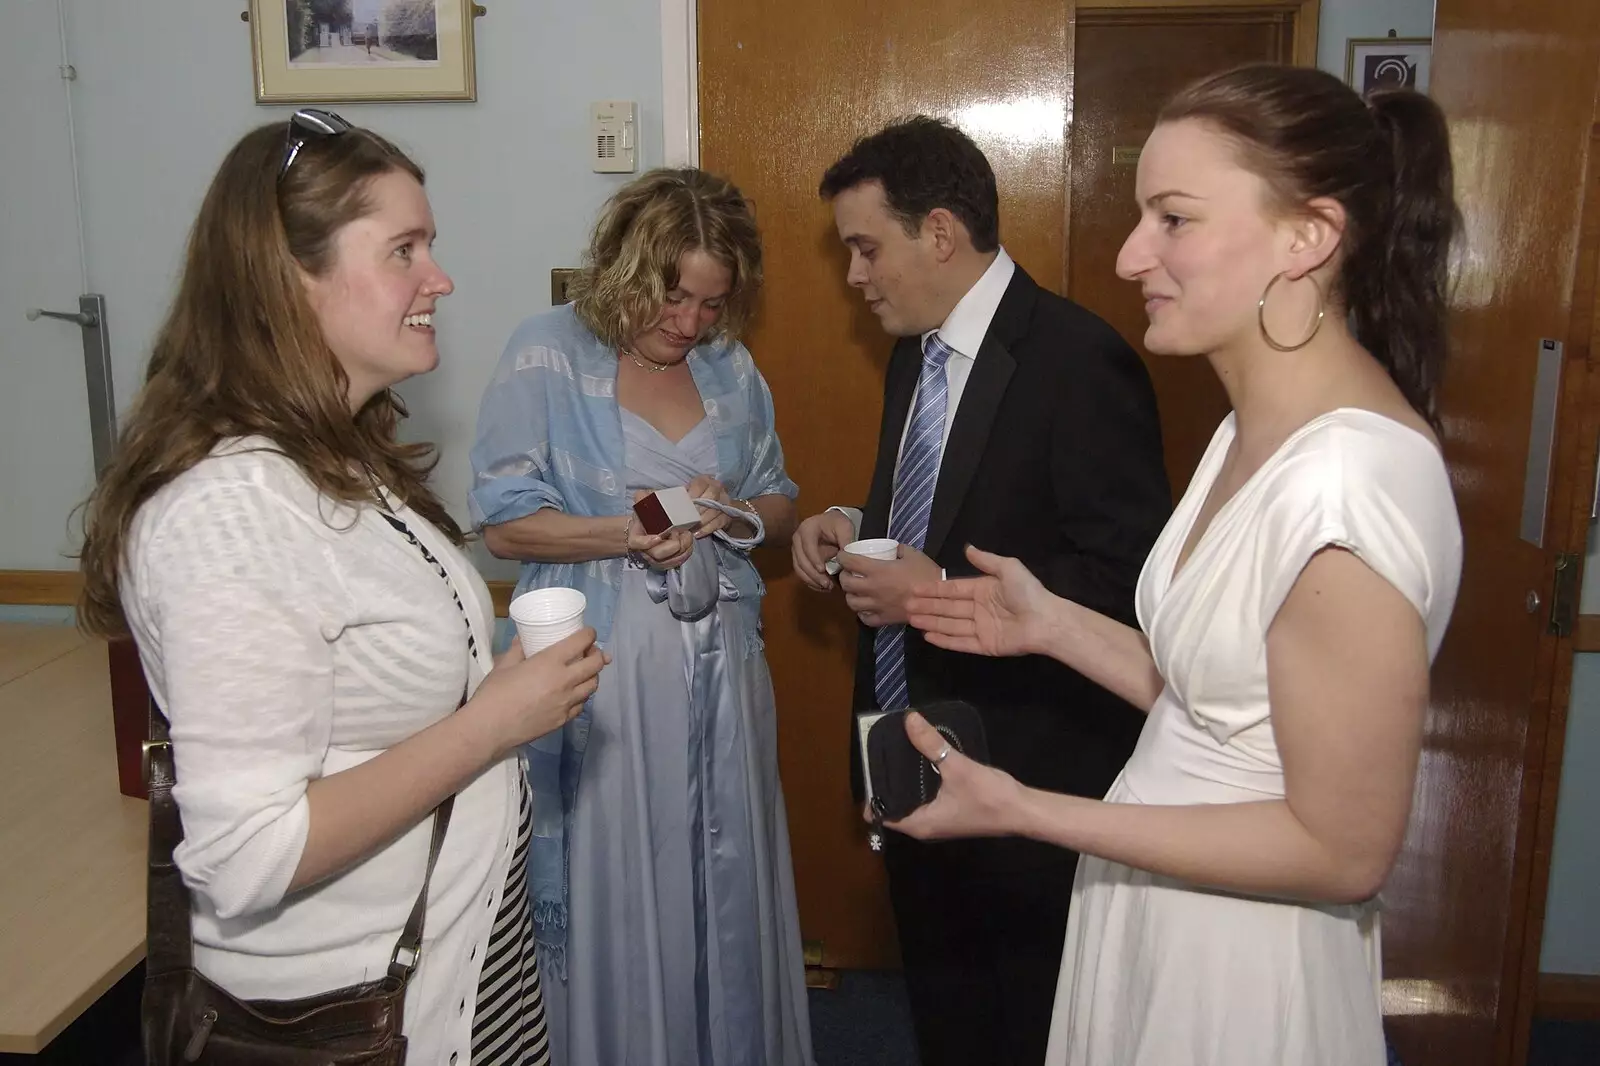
[(643, 233), (242, 354)]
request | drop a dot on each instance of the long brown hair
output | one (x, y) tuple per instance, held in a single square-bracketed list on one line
[(1386, 160), (241, 353), (643, 232)]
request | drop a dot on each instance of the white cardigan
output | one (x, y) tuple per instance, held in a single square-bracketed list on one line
[(287, 637)]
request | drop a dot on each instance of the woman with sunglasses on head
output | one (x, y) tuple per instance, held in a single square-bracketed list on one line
[(307, 620), (1225, 910), (663, 894)]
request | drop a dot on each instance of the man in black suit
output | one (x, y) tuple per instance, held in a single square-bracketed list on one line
[(1020, 423)]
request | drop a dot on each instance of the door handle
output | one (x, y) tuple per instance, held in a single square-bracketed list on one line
[(90, 318), (86, 319)]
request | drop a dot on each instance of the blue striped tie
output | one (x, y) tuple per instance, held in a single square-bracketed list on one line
[(914, 483)]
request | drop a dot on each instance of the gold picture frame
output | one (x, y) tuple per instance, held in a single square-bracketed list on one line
[(350, 51), (1379, 62)]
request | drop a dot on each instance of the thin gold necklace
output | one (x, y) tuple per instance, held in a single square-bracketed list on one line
[(654, 368)]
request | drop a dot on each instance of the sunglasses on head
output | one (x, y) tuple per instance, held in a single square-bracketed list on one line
[(306, 125)]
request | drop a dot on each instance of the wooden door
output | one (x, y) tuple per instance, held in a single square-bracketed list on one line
[(785, 88), (1128, 59), (1519, 84)]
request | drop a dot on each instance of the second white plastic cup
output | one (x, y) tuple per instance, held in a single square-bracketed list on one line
[(545, 616)]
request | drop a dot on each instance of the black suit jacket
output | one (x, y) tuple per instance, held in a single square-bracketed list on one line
[(1055, 458)]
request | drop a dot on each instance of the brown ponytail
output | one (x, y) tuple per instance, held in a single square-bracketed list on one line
[(1396, 282)]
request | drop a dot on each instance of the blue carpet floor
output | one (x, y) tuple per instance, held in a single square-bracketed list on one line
[(866, 1021)]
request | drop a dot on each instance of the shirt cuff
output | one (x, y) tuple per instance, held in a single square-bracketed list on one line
[(854, 514)]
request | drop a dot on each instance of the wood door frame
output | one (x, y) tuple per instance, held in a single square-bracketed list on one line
[(680, 82), (1573, 479), (1307, 16)]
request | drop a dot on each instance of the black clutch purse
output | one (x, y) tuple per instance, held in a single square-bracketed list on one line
[(899, 778)]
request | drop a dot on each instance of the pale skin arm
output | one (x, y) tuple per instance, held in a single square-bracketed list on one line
[(549, 536), (1009, 612), (1347, 666), (356, 811), (1112, 655), (779, 515)]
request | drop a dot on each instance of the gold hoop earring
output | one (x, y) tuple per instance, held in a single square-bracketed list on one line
[(1261, 316)]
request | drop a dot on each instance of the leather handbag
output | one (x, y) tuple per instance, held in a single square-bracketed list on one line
[(188, 1019), (899, 778)]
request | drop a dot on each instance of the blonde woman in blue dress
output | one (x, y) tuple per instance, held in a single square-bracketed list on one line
[(663, 892), (1224, 908)]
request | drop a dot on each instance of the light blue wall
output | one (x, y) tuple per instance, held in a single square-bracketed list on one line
[(1344, 19), (1572, 923), (163, 89)]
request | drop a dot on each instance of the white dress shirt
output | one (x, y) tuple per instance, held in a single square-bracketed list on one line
[(962, 332)]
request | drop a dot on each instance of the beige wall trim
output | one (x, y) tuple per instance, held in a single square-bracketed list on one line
[(1568, 996), (59, 588), (40, 588)]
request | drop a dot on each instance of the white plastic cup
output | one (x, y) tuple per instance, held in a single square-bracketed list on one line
[(546, 616), (886, 549)]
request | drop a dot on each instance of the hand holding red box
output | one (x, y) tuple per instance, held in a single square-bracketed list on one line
[(666, 510)]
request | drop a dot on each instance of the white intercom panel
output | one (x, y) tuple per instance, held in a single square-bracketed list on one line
[(613, 136)]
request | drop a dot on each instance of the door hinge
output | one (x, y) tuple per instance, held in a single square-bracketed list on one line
[(1564, 594)]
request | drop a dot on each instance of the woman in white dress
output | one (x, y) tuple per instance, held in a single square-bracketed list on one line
[(1224, 908)]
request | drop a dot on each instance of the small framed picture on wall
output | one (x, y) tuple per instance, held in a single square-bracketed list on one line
[(352, 50), (1387, 63)]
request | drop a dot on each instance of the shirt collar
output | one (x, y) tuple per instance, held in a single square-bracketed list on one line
[(963, 331)]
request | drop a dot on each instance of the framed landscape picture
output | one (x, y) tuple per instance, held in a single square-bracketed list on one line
[(1387, 63), (327, 51)]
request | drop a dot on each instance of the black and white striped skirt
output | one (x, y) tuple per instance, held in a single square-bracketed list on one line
[(508, 1024)]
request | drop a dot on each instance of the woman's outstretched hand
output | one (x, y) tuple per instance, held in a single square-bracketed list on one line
[(1005, 612)]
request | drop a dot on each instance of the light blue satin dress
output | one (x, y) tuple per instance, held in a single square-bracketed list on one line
[(683, 943)]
